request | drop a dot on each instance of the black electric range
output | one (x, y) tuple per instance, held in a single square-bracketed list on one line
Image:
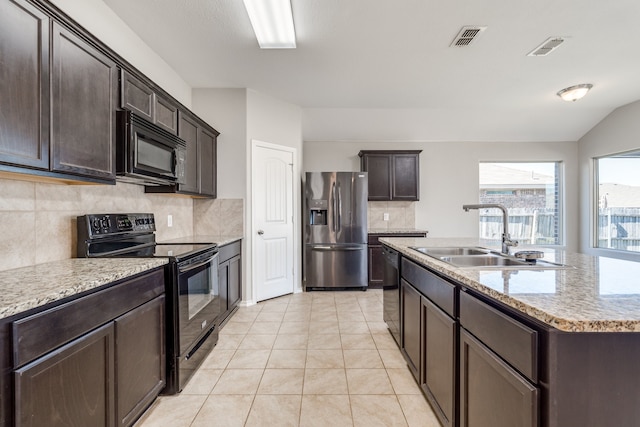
[(191, 283)]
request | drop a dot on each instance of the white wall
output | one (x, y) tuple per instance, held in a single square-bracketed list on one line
[(616, 133), (226, 111), (449, 176), (102, 22), (277, 122)]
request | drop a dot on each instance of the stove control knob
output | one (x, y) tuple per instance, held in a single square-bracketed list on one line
[(106, 222), (95, 224)]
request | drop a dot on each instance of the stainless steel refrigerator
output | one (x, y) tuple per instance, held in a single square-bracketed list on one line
[(336, 230)]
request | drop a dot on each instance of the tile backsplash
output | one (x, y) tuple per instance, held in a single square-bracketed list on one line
[(401, 215), (38, 220)]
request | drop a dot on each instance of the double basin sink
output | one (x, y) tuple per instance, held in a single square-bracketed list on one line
[(477, 257)]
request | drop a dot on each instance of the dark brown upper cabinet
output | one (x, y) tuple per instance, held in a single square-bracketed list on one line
[(200, 164), (83, 108), (393, 174), (144, 101), (24, 85), (58, 92)]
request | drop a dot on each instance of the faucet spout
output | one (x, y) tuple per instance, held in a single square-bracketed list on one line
[(506, 238)]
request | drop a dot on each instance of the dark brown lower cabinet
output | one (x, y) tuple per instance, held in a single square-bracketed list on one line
[(410, 333), (229, 279), (438, 379), (72, 386), (492, 394), (97, 360), (140, 356)]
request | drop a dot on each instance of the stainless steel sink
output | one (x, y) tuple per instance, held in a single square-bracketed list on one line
[(481, 258), (440, 252)]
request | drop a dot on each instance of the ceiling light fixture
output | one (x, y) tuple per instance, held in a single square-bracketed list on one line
[(573, 93), (272, 21)]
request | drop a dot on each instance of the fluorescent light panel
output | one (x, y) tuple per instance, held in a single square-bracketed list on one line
[(272, 21)]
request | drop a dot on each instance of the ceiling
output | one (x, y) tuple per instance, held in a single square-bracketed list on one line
[(385, 68)]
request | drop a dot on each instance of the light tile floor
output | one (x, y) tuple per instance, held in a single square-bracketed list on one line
[(310, 359)]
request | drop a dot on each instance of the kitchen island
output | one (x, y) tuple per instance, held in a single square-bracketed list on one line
[(524, 347)]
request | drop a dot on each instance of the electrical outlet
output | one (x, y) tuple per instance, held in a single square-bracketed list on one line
[(169, 220), (385, 216)]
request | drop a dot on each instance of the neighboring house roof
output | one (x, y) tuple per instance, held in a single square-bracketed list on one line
[(493, 176), (619, 196)]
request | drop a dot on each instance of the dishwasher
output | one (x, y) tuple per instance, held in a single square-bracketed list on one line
[(391, 291)]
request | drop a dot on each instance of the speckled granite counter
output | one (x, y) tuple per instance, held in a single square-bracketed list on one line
[(220, 240), (395, 231), (22, 289), (598, 295)]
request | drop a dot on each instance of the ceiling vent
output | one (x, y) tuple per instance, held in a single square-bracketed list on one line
[(547, 47), (467, 36)]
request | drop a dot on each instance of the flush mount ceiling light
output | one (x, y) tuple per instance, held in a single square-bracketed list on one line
[(573, 93), (272, 21)]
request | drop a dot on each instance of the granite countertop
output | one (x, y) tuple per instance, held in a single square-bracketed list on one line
[(25, 288), (597, 294), (395, 231), (220, 239)]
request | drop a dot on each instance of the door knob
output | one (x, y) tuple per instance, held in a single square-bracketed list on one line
[(260, 232)]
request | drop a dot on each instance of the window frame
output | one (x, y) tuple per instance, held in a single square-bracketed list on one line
[(561, 203), (595, 213)]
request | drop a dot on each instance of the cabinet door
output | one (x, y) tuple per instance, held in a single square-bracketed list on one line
[(378, 167), (376, 265), (188, 130), (405, 185), (492, 394), (136, 96), (438, 364), (71, 386), (166, 114), (411, 308), (223, 283), (140, 357), (84, 83), (235, 281), (207, 162), (24, 85)]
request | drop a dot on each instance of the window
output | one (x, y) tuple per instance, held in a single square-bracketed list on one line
[(618, 196), (531, 194)]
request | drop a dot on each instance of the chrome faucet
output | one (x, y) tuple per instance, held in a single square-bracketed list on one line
[(506, 238)]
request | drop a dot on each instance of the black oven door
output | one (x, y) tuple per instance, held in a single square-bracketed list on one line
[(198, 298)]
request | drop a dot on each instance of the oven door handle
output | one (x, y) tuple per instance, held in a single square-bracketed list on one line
[(122, 251), (198, 265)]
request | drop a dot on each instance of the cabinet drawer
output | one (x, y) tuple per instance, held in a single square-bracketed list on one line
[(40, 333), (513, 341), (229, 251), (438, 290)]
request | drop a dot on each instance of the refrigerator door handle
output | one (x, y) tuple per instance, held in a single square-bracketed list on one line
[(334, 207), (339, 227), (336, 248)]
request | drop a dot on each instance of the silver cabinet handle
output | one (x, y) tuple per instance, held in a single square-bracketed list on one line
[(260, 232)]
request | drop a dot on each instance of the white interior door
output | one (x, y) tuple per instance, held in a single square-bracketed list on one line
[(272, 210)]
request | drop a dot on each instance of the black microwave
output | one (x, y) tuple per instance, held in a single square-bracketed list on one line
[(147, 154)]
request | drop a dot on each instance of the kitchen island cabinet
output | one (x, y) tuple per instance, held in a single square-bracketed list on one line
[(550, 347), (429, 336)]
